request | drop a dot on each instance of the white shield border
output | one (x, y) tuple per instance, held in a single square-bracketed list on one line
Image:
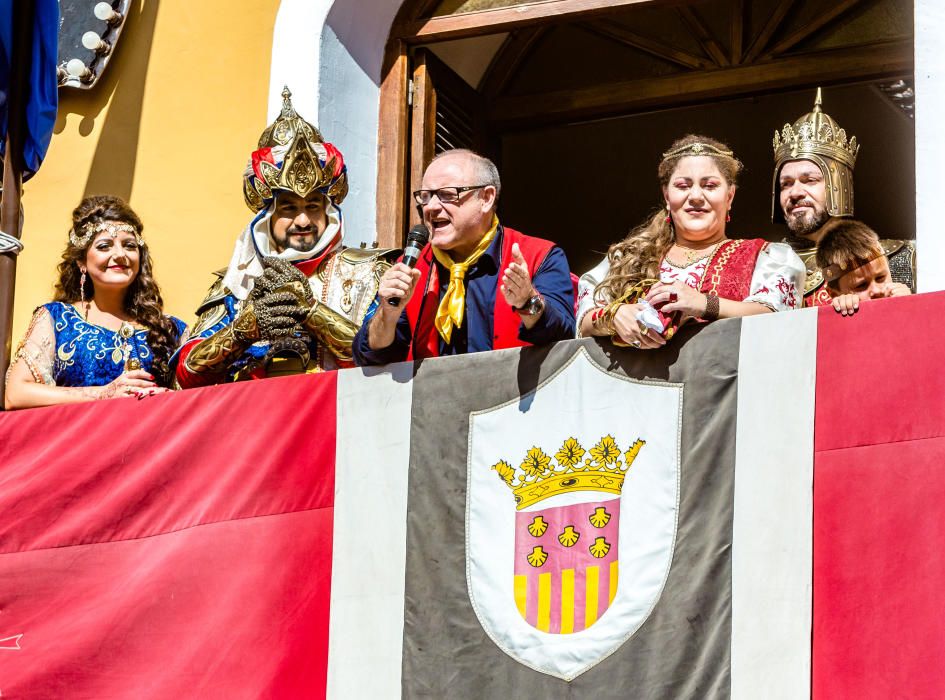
[(570, 671)]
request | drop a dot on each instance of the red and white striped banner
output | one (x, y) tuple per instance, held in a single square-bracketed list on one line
[(307, 536)]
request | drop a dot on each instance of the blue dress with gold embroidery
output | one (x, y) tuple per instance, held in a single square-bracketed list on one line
[(90, 355)]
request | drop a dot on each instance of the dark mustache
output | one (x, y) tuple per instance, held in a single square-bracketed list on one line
[(298, 229), (802, 203)]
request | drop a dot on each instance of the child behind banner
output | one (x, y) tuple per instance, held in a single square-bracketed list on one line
[(855, 266)]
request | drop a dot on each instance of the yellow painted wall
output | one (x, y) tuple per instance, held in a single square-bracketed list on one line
[(169, 128)]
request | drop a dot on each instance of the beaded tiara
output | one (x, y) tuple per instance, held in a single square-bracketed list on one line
[(94, 227), (697, 149)]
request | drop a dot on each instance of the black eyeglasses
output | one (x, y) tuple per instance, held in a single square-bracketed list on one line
[(446, 195)]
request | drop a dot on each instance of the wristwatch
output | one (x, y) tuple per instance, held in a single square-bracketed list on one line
[(532, 307)]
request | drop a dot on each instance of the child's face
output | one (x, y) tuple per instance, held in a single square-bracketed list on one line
[(868, 281)]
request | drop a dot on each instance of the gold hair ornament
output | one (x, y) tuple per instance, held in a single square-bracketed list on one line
[(697, 149), (94, 227)]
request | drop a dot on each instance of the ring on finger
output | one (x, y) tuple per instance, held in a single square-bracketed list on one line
[(636, 344), (644, 331)]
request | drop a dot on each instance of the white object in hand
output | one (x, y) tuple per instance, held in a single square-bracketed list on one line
[(649, 317)]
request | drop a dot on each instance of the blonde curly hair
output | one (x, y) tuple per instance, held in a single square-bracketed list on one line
[(638, 256)]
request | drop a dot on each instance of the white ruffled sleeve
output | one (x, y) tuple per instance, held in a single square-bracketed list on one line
[(778, 279), (587, 301)]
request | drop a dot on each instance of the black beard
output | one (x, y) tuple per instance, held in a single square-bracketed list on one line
[(301, 245), (806, 225)]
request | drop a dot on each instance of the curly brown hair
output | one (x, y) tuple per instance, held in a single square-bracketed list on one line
[(638, 256), (143, 301)]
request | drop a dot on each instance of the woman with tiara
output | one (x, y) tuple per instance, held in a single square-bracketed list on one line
[(105, 334), (681, 264)]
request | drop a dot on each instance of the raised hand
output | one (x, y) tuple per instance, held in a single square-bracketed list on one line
[(516, 283)]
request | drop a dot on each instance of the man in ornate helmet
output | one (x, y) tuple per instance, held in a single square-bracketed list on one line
[(813, 182), (292, 297)]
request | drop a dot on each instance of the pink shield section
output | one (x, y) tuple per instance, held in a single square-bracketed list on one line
[(566, 564)]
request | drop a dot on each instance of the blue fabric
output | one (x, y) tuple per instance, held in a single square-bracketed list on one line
[(552, 280), (43, 89), (89, 355)]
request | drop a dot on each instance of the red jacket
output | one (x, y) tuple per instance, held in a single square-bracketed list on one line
[(422, 307)]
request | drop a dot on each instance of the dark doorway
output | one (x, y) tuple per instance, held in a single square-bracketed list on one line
[(577, 109)]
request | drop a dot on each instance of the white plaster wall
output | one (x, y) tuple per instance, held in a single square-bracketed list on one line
[(930, 142), (295, 44), (352, 54), (330, 53)]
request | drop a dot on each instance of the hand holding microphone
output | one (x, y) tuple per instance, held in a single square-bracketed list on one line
[(399, 280)]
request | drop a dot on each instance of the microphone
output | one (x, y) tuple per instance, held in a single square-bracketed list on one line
[(416, 240)]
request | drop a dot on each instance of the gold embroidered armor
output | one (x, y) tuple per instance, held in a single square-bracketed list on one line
[(213, 354), (343, 287)]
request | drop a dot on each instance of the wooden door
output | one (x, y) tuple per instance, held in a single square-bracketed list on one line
[(445, 113)]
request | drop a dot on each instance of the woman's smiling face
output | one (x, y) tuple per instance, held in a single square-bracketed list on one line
[(113, 259), (699, 198)]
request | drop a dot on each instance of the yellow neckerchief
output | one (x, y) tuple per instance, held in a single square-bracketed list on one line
[(452, 307)]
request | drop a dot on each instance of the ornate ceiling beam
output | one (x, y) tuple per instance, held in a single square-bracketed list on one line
[(656, 48), (830, 12), (869, 62), (511, 55), (771, 26), (504, 19), (702, 34), (738, 31)]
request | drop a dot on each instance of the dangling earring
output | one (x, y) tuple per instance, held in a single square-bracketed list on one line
[(728, 216), (82, 294), (669, 219)]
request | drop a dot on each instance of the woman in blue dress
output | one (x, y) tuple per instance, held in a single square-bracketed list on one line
[(105, 333)]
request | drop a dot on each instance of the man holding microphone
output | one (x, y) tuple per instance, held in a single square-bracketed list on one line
[(476, 286)]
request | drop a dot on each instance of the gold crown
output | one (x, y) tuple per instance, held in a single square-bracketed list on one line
[(697, 149), (602, 470), (309, 163), (816, 133)]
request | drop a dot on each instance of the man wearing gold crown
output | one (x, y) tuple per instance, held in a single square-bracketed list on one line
[(813, 181), (292, 297)]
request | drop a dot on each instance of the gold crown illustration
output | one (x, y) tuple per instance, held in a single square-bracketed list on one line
[(816, 133), (604, 469)]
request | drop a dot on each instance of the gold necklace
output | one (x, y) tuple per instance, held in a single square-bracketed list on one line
[(693, 254), (126, 332)]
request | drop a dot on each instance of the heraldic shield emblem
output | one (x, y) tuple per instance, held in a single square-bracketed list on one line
[(571, 512)]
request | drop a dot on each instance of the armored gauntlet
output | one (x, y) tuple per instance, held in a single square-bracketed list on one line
[(214, 354)]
